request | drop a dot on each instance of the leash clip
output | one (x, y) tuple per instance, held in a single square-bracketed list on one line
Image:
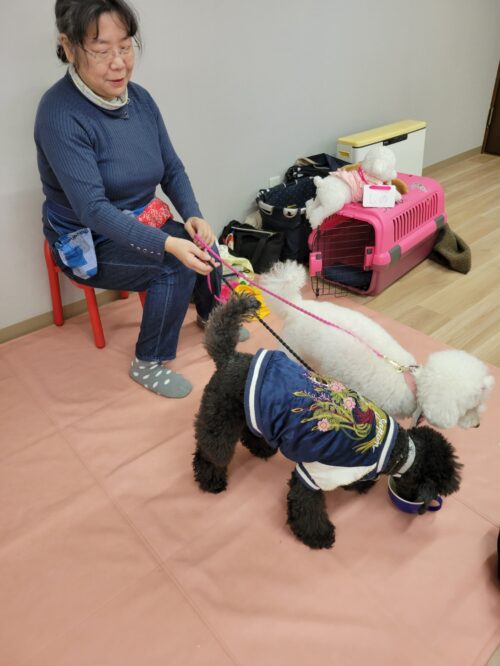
[(397, 366), (401, 368)]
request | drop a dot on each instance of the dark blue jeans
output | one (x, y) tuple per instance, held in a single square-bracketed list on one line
[(169, 287)]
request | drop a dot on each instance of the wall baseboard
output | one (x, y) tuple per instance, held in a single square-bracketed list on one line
[(452, 160), (44, 320)]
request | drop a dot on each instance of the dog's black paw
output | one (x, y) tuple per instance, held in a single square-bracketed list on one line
[(210, 478), (324, 537), (361, 487)]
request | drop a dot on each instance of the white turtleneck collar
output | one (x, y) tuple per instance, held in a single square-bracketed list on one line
[(110, 105)]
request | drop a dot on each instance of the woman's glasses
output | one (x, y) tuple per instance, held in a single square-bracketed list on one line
[(109, 55)]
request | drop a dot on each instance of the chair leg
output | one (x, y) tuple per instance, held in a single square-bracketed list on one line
[(142, 296), (55, 290), (95, 318)]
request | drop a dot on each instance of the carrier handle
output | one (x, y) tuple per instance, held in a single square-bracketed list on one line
[(395, 139)]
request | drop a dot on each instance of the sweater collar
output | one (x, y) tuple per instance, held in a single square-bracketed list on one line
[(109, 105)]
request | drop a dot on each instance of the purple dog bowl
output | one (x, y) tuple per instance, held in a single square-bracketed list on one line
[(405, 505)]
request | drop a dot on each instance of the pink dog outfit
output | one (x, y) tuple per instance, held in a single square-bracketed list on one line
[(356, 179)]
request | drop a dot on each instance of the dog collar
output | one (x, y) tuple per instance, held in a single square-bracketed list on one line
[(410, 380), (409, 375), (362, 175), (409, 460), (367, 180), (408, 372)]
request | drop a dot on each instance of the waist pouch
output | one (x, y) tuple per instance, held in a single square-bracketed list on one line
[(74, 246), (77, 252), (155, 214)]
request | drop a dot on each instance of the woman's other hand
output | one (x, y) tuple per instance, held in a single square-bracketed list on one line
[(197, 225), (189, 254)]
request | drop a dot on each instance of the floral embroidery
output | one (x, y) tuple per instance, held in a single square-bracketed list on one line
[(333, 406), (349, 403), (323, 425)]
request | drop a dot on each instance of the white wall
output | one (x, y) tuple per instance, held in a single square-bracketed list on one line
[(246, 87)]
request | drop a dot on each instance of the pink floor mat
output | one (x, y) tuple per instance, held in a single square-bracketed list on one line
[(111, 556)]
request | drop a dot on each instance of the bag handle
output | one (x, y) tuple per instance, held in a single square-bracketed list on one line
[(261, 243), (305, 161)]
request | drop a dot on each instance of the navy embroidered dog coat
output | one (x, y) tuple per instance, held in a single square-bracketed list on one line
[(334, 434)]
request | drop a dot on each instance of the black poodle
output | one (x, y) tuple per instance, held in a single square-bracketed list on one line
[(336, 436)]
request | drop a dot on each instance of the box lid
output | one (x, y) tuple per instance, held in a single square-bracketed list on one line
[(382, 133)]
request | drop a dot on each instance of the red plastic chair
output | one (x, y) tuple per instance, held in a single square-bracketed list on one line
[(53, 271)]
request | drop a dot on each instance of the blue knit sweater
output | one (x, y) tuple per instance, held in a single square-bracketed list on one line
[(99, 163)]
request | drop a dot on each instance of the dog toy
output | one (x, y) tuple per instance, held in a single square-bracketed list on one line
[(242, 287)]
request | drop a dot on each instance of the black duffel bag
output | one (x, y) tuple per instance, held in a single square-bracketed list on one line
[(262, 248), (315, 165), (282, 209)]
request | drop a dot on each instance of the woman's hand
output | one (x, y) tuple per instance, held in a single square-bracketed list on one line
[(197, 225), (189, 254)]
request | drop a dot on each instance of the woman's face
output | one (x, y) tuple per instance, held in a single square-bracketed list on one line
[(106, 62)]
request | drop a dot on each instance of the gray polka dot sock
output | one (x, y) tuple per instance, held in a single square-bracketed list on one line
[(158, 378)]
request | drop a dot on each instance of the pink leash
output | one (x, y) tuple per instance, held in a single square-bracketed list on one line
[(410, 379), (284, 300)]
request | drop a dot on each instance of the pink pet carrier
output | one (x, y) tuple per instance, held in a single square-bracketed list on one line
[(367, 249)]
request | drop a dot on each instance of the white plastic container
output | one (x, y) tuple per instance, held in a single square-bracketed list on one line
[(406, 138)]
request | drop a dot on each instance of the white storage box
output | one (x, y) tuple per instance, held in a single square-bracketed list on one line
[(406, 138)]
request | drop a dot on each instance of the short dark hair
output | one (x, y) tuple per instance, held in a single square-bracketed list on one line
[(74, 18)]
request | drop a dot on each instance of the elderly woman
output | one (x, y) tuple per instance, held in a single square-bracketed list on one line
[(102, 151)]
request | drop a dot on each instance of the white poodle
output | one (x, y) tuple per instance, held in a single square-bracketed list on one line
[(448, 391), (341, 187)]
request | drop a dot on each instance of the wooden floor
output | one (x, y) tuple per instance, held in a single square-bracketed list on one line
[(460, 310)]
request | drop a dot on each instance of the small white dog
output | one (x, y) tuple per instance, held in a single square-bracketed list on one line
[(342, 186), (448, 391)]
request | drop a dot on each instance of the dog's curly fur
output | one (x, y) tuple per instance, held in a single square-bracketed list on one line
[(220, 424), (452, 386)]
